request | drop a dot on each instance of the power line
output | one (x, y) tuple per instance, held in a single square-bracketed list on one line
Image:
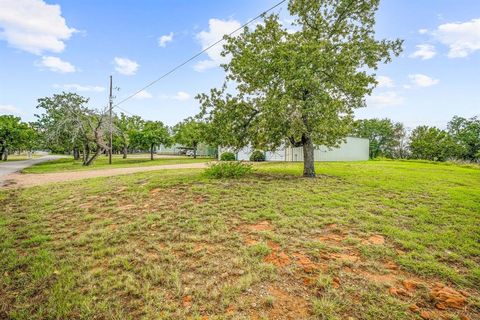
[(196, 55)]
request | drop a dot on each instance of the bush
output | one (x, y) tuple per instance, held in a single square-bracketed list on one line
[(227, 156), (257, 156), (228, 170)]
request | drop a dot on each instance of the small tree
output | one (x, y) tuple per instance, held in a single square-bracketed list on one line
[(189, 133), (431, 143), (152, 134), (125, 129), (300, 86)]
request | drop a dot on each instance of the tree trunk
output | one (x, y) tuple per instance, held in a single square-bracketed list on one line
[(92, 159), (2, 151), (151, 152), (308, 157), (5, 154), (86, 154), (195, 151), (76, 153), (125, 151)]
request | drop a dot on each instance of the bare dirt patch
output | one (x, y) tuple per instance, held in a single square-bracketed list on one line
[(375, 240), (287, 305), (333, 238), (446, 297), (261, 226), (304, 261)]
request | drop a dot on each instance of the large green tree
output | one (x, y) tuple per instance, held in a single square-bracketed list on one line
[(466, 132), (300, 86), (431, 143), (385, 136), (14, 135), (189, 133), (152, 134)]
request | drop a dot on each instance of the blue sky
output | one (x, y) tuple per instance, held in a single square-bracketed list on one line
[(50, 46)]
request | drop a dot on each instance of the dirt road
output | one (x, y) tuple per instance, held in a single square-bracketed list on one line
[(16, 180), (7, 168)]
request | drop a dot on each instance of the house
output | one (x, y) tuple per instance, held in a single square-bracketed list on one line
[(353, 149)]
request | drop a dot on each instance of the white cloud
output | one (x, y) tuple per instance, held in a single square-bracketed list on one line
[(79, 87), (385, 82), (56, 64), (389, 98), (422, 80), (217, 29), (144, 94), (424, 51), (125, 66), (179, 96), (9, 109), (462, 38), (423, 31), (163, 40), (33, 26)]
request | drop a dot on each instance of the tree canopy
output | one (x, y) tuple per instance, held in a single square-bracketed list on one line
[(68, 124), (301, 86), (125, 129), (152, 134), (386, 137), (431, 143), (189, 133), (14, 135), (466, 132)]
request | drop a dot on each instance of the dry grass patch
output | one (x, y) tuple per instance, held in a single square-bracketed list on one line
[(366, 241)]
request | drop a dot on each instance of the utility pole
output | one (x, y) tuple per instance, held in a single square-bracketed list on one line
[(110, 100)]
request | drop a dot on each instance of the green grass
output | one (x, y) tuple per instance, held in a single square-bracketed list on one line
[(68, 164), (178, 245)]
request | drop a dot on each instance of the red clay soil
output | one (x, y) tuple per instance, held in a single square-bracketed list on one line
[(427, 299)]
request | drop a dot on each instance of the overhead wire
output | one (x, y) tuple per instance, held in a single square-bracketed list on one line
[(194, 57)]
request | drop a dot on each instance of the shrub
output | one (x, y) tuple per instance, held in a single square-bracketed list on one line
[(257, 156), (227, 156), (228, 170)]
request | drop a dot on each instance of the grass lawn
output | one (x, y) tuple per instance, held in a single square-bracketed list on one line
[(366, 240), (68, 164)]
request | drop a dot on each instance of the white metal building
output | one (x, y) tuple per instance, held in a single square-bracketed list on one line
[(353, 149)]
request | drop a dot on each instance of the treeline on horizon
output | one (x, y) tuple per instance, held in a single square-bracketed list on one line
[(66, 126)]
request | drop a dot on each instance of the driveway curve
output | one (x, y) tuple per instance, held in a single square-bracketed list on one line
[(7, 168), (15, 180)]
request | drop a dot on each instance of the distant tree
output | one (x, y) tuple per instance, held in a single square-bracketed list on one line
[(189, 133), (400, 150), (384, 136), (68, 124), (125, 129), (466, 133), (431, 143), (31, 138), (152, 134), (300, 86), (14, 134)]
